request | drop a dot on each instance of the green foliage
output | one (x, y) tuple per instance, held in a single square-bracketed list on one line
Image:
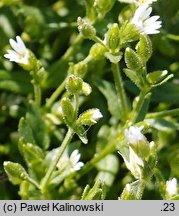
[(87, 61)]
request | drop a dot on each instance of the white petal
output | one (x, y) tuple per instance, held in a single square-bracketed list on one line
[(21, 44), (14, 45), (75, 156), (78, 166)]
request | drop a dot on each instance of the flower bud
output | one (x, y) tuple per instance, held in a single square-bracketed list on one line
[(90, 117), (133, 162), (171, 188), (15, 172), (73, 84), (133, 61), (128, 33), (80, 69), (67, 110), (137, 141), (85, 28), (144, 47), (97, 51), (112, 38)]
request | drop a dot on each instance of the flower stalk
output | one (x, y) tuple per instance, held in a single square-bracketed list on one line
[(120, 89), (52, 167)]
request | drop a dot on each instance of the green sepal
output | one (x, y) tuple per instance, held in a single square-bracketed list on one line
[(128, 33), (144, 47), (67, 110), (73, 84), (112, 38)]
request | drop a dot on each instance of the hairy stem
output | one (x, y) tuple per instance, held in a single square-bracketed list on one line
[(120, 89), (138, 106), (55, 160)]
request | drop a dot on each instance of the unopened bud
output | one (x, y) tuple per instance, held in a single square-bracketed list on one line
[(73, 84), (112, 38), (67, 110), (85, 28), (90, 117), (97, 51)]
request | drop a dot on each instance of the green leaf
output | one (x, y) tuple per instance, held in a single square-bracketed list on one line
[(163, 124), (95, 193), (25, 131), (16, 173), (32, 154), (32, 128), (132, 59), (144, 108), (108, 90), (134, 77)]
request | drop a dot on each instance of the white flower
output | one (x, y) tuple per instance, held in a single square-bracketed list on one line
[(133, 135), (133, 163), (74, 158), (95, 115), (70, 164), (20, 54), (143, 22), (138, 2), (171, 187)]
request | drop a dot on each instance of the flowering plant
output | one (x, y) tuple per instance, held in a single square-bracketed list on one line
[(89, 99)]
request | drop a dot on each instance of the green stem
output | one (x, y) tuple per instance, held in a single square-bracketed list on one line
[(76, 100), (55, 160), (37, 88), (140, 190), (120, 89), (37, 92), (173, 112), (78, 40), (139, 104), (33, 182), (55, 94), (88, 166), (160, 182)]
